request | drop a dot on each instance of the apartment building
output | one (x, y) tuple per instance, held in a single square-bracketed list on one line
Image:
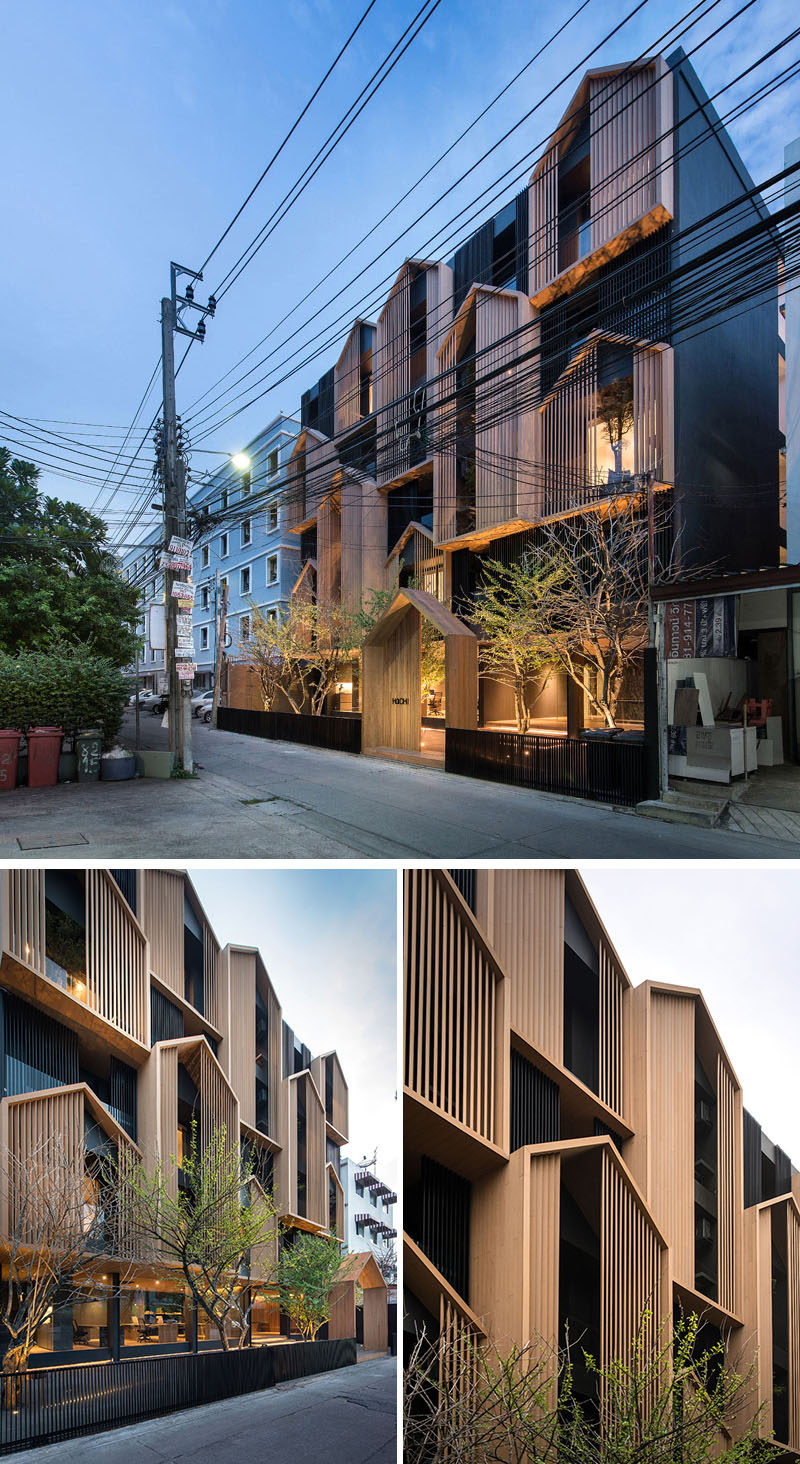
[(576, 1149), (122, 1023), (368, 1208), (541, 372), (241, 538)]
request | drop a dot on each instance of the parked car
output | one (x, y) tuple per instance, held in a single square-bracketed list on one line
[(202, 702)]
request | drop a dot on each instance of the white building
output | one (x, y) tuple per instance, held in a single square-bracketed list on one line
[(369, 1208)]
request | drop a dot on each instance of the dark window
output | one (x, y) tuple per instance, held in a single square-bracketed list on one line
[(705, 1183), (262, 1065), (125, 880), (316, 405), (574, 198), (464, 881), (333, 1196), (581, 1000), (192, 956), (39, 1053), (579, 1273), (504, 247), (780, 1327), (438, 1207), (302, 1153), (751, 1134), (166, 1020), (329, 1089), (333, 1155), (535, 1105), (122, 1095)]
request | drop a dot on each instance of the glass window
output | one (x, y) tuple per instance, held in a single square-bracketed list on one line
[(272, 463), (244, 580), (246, 532), (244, 627), (205, 553), (223, 546), (204, 598), (154, 1316), (272, 516), (272, 569), (272, 615), (204, 637)]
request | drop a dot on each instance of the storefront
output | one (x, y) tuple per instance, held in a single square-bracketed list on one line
[(730, 683)]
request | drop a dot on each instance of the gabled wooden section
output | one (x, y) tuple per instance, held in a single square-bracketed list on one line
[(310, 1213), (360, 1269), (158, 1101), (326, 1070), (309, 474), (347, 379), (771, 1231), (494, 322), (398, 415), (630, 110), (244, 977), (162, 893), (391, 671)]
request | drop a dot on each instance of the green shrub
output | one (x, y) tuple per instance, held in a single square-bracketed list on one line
[(67, 687)]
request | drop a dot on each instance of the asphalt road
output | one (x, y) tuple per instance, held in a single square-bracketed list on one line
[(262, 800), (343, 1417)]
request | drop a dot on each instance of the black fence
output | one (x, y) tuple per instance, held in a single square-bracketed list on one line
[(46, 1405), (343, 734), (609, 771)]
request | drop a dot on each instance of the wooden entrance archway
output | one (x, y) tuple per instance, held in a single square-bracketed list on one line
[(361, 1270), (391, 714)]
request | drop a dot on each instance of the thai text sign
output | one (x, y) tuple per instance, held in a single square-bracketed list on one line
[(700, 628)]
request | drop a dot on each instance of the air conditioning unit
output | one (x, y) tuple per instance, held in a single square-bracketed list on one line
[(702, 1112), (704, 1229)]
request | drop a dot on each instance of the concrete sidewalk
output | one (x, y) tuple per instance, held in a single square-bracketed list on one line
[(343, 1417), (255, 799)]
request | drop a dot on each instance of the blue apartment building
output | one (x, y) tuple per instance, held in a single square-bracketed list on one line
[(252, 551)]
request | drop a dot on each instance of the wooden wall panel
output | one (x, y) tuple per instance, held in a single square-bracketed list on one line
[(793, 1253), (22, 925), (543, 216), (444, 461), (631, 1275), (461, 681), (347, 383), (730, 1185), (329, 551), (162, 922), (351, 548), (376, 1319), (167, 1150), (669, 1187), (374, 512), (622, 114), (219, 1108), (316, 1185), (34, 1120), (522, 912), (439, 313), (391, 375), (612, 1039), (497, 315), (321, 467), (392, 670), (457, 1376), (264, 1257), (117, 982), (342, 1320), (544, 1223), (569, 461), (454, 1059)]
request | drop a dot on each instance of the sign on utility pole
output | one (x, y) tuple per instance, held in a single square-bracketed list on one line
[(179, 593)]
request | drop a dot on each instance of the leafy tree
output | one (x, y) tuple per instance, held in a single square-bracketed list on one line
[(512, 609), (206, 1228), (301, 652), (59, 581), (66, 686), (307, 1272)]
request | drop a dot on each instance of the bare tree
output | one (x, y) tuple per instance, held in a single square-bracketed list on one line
[(204, 1229), (673, 1401), (386, 1261), (62, 1217), (302, 651)]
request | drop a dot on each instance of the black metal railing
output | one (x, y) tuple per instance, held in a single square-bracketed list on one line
[(342, 734), (609, 771), (49, 1404)]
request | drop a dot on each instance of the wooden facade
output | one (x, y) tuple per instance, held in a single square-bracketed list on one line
[(402, 415), (129, 1055), (391, 672), (627, 1172), (361, 1269)]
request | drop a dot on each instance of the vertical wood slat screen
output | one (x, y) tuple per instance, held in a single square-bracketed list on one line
[(451, 1009), (444, 424), (526, 929), (211, 988), (294, 496), (218, 1106), (275, 1107), (729, 1184), (23, 925), (630, 1276), (340, 1118), (496, 449), (329, 551), (321, 465), (671, 1147), (611, 1032), (793, 1253), (316, 1187), (162, 921), (351, 542), (648, 425), (264, 1256), (543, 191), (32, 1122), (391, 377), (543, 1256), (242, 977), (622, 160), (457, 1379), (569, 457), (347, 383), (168, 1116), (439, 289), (116, 978)]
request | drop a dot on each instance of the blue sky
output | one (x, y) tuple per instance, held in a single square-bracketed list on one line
[(133, 132), (328, 940), (733, 931)]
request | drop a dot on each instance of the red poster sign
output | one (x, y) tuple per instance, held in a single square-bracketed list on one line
[(679, 641)]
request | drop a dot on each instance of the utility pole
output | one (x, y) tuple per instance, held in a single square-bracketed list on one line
[(222, 630), (179, 689)]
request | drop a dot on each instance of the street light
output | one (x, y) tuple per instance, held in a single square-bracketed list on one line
[(241, 461)]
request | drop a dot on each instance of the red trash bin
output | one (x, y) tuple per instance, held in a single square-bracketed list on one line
[(44, 749), (9, 758)]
